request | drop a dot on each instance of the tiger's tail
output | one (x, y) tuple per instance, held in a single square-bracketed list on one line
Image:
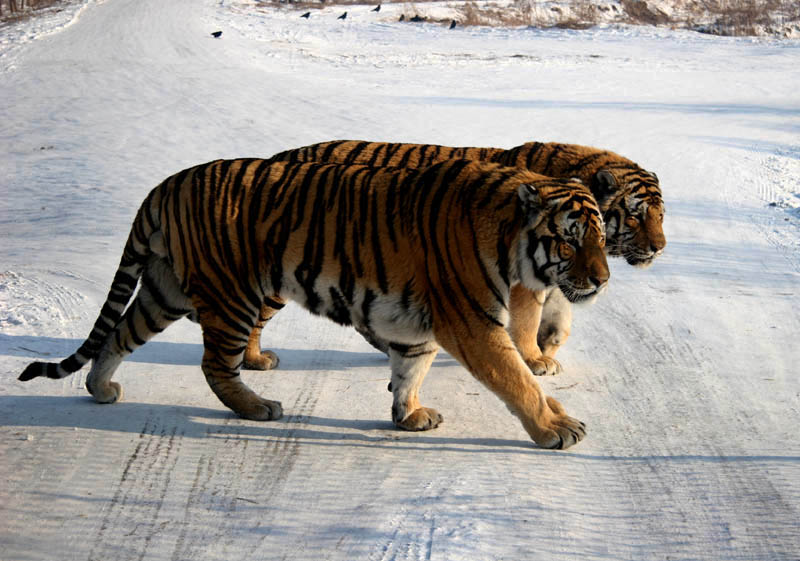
[(144, 240)]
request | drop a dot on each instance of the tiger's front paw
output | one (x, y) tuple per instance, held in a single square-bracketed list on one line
[(264, 360), (562, 431), (423, 418), (261, 410), (544, 366)]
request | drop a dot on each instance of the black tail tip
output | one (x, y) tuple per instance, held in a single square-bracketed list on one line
[(34, 370)]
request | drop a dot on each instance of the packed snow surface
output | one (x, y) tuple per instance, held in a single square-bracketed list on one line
[(686, 373)]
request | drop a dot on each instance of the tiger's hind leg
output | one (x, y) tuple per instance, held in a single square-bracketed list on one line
[(223, 357), (158, 303), (409, 366), (526, 315), (254, 357)]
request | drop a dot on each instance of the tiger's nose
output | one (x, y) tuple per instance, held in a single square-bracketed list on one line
[(599, 281)]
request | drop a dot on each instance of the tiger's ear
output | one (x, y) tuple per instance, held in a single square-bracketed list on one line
[(653, 175), (604, 185), (531, 202)]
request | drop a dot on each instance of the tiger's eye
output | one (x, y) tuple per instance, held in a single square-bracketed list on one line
[(632, 222), (566, 250)]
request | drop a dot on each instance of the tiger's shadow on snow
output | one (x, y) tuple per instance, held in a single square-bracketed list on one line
[(223, 427), (165, 421), (52, 349)]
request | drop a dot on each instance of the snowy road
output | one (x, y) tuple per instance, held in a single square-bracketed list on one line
[(686, 373)]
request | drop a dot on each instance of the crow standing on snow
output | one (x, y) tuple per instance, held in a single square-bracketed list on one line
[(402, 17), (306, 15), (376, 8), (343, 16), (217, 34), (452, 24), (417, 18)]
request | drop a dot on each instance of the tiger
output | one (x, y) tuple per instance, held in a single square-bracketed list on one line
[(628, 196), (424, 258)]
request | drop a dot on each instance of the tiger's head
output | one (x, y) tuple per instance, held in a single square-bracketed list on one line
[(633, 209), (563, 240)]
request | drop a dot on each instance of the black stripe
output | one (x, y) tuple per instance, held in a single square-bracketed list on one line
[(69, 364), (366, 307), (273, 304), (124, 279), (353, 156), (152, 325), (380, 266), (328, 150), (555, 152)]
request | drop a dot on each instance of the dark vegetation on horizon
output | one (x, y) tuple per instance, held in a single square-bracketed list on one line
[(14, 9), (719, 17)]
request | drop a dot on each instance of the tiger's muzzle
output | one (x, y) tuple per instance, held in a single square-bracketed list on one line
[(590, 273), (651, 242)]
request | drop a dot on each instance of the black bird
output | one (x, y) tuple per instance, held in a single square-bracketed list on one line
[(217, 34), (402, 17), (452, 24), (343, 16), (417, 18), (376, 8), (306, 15)]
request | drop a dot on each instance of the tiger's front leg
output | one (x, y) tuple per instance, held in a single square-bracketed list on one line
[(526, 315), (493, 360), (409, 365), (254, 357), (554, 327)]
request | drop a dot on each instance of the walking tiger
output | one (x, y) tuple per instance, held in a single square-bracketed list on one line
[(423, 258)]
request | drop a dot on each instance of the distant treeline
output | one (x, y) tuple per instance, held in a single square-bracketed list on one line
[(12, 8)]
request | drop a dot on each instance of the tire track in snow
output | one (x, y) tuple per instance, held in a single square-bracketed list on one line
[(208, 506), (412, 530), (277, 461), (131, 520), (238, 471)]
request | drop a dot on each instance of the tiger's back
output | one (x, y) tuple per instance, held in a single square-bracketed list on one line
[(629, 196), (383, 154)]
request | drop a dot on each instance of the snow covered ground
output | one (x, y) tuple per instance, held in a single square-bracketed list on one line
[(686, 373)]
